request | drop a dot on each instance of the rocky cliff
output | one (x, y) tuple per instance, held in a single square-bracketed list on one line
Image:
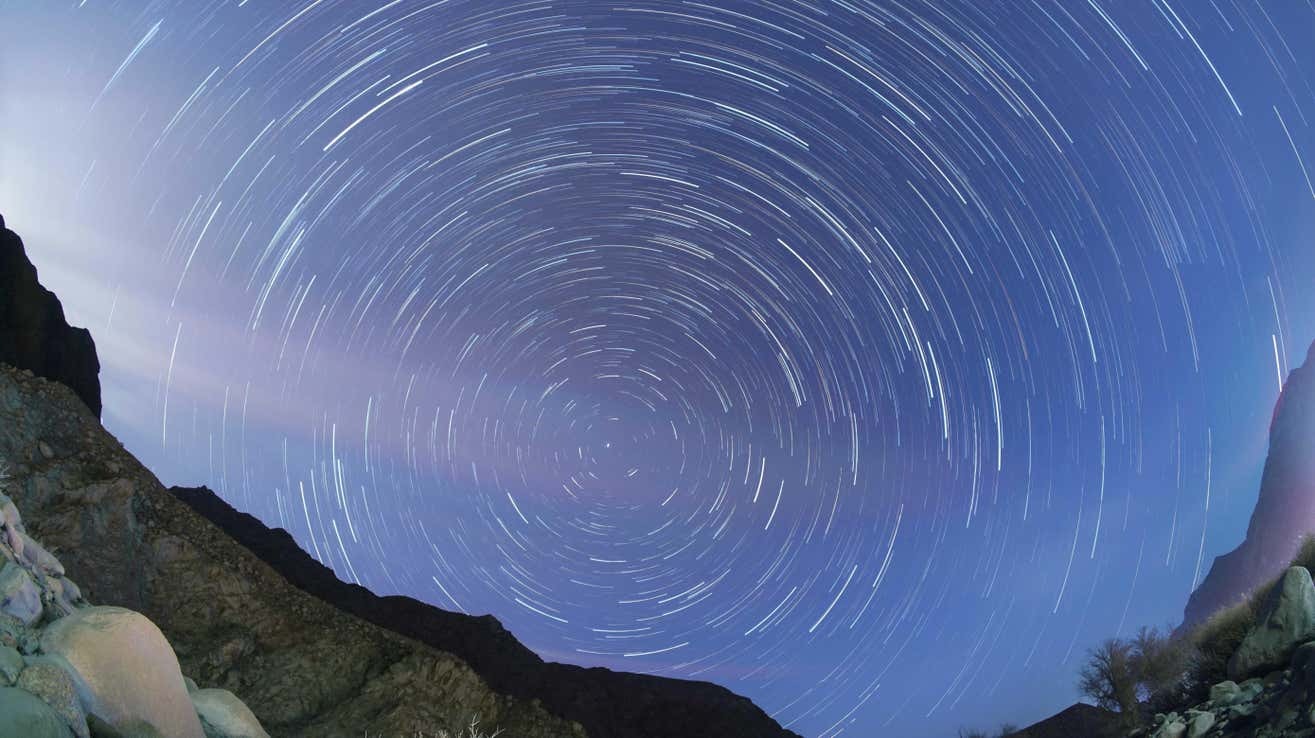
[(1284, 512), (33, 332)]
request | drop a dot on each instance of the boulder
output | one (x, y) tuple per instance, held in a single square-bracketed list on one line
[(1175, 728), (19, 595), (1286, 620), (1224, 693), (9, 516), (39, 558), (11, 665), (15, 634), (1200, 724), (129, 672), (223, 715), (26, 716), (48, 677)]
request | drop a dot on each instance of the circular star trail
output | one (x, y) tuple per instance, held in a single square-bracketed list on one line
[(872, 359)]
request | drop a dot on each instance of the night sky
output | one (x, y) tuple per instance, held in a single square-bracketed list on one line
[(872, 359)]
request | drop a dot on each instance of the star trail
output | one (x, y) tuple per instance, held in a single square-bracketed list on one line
[(872, 359)]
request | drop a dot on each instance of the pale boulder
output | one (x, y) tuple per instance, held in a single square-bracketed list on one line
[(129, 673), (223, 714)]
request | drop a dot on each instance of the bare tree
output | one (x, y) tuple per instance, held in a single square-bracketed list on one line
[(1110, 679), (1160, 663)]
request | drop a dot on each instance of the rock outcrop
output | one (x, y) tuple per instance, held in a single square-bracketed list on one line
[(608, 704), (1285, 621), (303, 667), (33, 332), (1284, 512), (73, 670)]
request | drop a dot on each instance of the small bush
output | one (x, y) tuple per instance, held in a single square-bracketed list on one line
[(1161, 663), (1214, 642)]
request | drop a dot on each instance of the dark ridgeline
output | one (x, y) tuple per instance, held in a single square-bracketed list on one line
[(1087, 721), (1284, 512), (607, 703), (131, 544), (33, 332)]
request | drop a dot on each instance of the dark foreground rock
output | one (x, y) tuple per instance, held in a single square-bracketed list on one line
[(33, 332), (608, 704), (304, 667), (1284, 512)]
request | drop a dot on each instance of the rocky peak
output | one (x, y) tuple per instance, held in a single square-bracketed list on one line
[(1284, 512), (33, 332)]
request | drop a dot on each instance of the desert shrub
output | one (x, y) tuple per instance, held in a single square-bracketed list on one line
[(1161, 668), (1214, 642), (1109, 678), (1144, 674)]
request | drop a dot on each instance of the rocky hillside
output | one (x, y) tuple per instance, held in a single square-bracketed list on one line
[(304, 667), (1271, 690), (33, 332), (608, 704), (1284, 512), (70, 669), (247, 611)]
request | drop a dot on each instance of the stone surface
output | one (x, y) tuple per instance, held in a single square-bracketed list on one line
[(33, 332), (11, 665), (26, 716), (1200, 725), (1284, 511), (1224, 693), (50, 680), (19, 594), (15, 634), (129, 670), (1286, 619), (39, 558), (224, 716)]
